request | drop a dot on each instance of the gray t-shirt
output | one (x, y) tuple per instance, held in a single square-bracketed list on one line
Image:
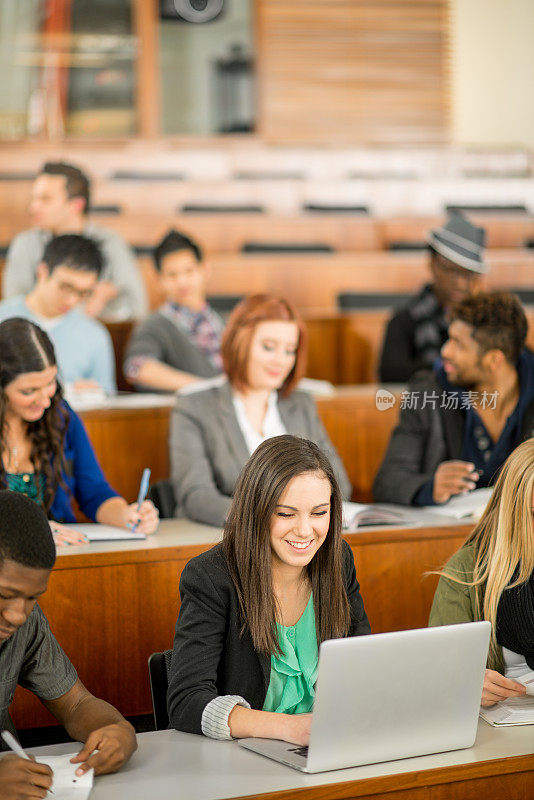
[(33, 658)]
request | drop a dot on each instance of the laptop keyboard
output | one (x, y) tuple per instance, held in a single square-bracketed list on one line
[(299, 751)]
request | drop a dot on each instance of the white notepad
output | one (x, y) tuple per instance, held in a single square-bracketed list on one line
[(515, 710), (67, 785), (105, 533)]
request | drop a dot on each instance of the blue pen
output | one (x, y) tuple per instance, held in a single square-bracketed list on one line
[(143, 489)]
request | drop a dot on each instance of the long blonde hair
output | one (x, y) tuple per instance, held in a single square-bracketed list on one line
[(504, 536)]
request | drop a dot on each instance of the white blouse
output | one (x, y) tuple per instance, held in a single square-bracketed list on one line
[(272, 423)]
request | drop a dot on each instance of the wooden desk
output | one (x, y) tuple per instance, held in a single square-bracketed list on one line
[(126, 439), (112, 604), (182, 766)]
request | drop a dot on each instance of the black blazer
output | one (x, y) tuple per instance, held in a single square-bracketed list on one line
[(210, 657)]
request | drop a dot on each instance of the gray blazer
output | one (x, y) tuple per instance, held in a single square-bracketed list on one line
[(208, 449)]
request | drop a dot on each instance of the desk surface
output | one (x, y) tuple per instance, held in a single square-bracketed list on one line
[(184, 766)]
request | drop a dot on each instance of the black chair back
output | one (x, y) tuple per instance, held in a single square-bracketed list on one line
[(158, 671), (162, 495), (357, 301)]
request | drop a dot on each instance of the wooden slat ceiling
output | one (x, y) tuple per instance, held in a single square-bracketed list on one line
[(363, 72)]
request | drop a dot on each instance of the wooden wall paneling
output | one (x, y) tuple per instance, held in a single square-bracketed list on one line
[(393, 565), (148, 93), (352, 72), (324, 348), (109, 616), (128, 440), (362, 338), (359, 432)]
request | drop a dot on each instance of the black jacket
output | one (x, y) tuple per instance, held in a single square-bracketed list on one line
[(424, 438), (210, 657)]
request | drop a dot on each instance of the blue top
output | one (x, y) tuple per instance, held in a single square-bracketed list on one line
[(83, 475), (477, 446), (83, 346), (294, 672)]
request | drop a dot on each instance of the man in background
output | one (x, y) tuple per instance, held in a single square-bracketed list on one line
[(60, 204), (416, 333), (459, 423), (180, 342), (66, 278)]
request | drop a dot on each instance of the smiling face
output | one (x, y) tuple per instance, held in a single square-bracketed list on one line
[(20, 588), (463, 361), (300, 521), (30, 394), (183, 279), (272, 354)]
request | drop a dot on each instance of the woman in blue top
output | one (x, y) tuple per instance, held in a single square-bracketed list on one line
[(45, 451), (255, 608)]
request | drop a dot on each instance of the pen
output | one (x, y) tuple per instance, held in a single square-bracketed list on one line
[(143, 489), (12, 743)]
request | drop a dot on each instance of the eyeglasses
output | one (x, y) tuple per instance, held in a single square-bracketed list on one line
[(67, 288)]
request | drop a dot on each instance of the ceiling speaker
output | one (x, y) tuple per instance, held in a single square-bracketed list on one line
[(193, 11)]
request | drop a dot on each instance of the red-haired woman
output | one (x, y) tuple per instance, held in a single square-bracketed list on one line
[(217, 425)]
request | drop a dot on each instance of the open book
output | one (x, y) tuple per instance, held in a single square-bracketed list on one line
[(515, 710), (356, 515)]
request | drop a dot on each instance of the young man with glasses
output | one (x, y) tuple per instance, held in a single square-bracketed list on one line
[(65, 279), (416, 333)]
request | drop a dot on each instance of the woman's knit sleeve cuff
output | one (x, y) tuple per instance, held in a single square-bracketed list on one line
[(215, 715)]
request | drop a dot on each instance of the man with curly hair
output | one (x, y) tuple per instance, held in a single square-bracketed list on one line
[(461, 421)]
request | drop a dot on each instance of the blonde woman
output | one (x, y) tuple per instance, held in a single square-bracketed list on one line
[(492, 577)]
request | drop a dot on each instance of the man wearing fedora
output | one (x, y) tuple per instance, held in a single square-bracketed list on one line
[(416, 333)]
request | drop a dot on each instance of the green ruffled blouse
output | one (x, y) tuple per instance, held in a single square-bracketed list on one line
[(294, 673)]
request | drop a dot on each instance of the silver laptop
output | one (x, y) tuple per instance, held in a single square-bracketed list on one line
[(391, 695)]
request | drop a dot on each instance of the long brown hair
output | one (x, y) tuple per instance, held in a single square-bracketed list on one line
[(237, 338), (247, 547), (24, 347), (504, 536)]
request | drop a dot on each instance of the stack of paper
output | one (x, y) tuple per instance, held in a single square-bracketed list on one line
[(515, 710)]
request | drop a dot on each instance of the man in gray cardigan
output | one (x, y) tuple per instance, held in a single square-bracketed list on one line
[(180, 342), (60, 205)]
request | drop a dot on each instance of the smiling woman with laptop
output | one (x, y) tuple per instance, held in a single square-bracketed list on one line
[(254, 609)]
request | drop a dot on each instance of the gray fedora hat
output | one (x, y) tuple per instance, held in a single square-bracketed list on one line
[(461, 242)]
